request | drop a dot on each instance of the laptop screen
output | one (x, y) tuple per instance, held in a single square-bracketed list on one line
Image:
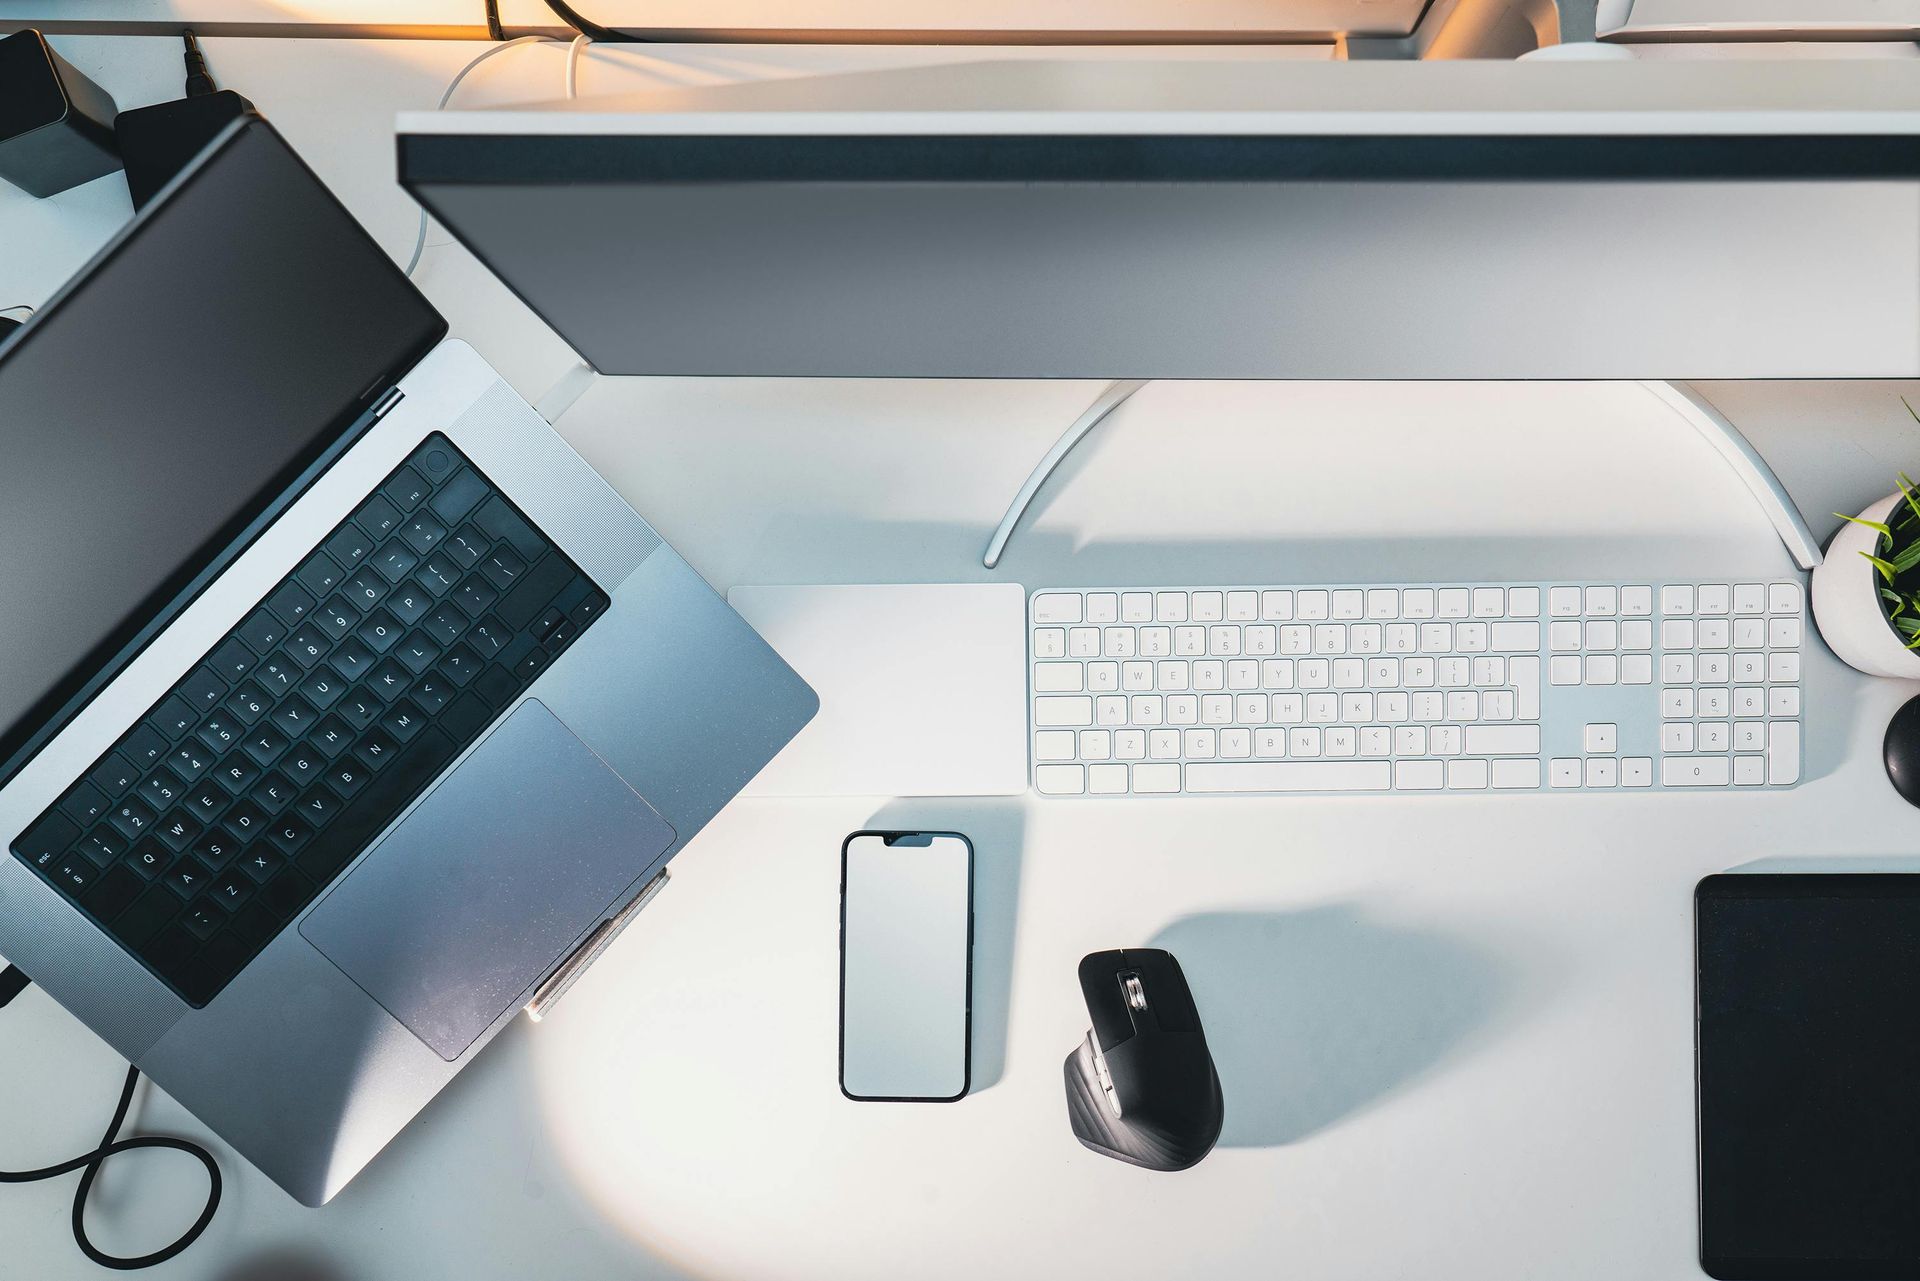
[(168, 400)]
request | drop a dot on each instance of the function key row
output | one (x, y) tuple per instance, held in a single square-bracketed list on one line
[(1283, 605)]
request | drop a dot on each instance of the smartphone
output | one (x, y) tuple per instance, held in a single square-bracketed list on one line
[(906, 966)]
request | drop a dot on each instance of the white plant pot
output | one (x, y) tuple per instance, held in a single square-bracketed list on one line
[(1846, 602)]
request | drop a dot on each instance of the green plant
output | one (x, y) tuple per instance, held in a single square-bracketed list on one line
[(1896, 555)]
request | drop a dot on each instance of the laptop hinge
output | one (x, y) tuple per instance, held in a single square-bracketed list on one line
[(386, 402)]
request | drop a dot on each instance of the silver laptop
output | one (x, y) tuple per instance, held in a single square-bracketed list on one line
[(340, 701)]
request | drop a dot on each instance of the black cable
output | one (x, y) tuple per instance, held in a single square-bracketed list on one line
[(90, 1163), (591, 29), (494, 30), (199, 79), (12, 981)]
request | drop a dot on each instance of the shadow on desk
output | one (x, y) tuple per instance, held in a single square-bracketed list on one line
[(996, 827), (281, 1265), (1315, 1015)]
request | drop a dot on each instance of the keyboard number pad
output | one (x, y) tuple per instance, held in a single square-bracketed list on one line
[(1730, 656)]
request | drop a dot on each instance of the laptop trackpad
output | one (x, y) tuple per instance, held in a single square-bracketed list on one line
[(482, 889)]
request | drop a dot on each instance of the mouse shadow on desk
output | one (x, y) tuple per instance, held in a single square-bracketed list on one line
[(1315, 1015), (995, 826)]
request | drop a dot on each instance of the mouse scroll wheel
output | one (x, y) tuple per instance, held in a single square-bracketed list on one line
[(1136, 993)]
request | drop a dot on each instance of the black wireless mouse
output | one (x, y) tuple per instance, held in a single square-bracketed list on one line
[(1141, 1088), (1902, 750)]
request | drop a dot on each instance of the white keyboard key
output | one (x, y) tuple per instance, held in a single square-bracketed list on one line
[(1148, 709), (1054, 745), (1676, 600), (1057, 678), (1564, 669), (1209, 673), (1636, 633), (1156, 778), (1207, 607), (1356, 709), (1489, 602), (1602, 771), (1524, 675), (1313, 673), (1470, 638), (1749, 598), (1288, 709), (1049, 712), (1564, 771), (1466, 775), (1602, 737), (1713, 634), (1323, 709), (1341, 741), (1236, 743), (1262, 639), (1276, 606), (1676, 736), (1713, 736), (1602, 602), (1677, 669), (1107, 780), (1349, 603), (1463, 705), (1713, 668), (1330, 638), (1383, 603), (1243, 607), (1243, 673), (1489, 672), (1365, 638), (1419, 776), (1190, 641), (1749, 736), (1714, 700), (1636, 771), (1276, 673), (1514, 638), (1783, 668), (1183, 709), (1749, 771), (1050, 642), (1752, 667), (1636, 669), (1156, 642), (1170, 607), (1436, 638), (1410, 740), (1311, 606), (1564, 602), (1445, 740), (1676, 702), (1783, 752), (1296, 638), (1516, 774), (1417, 602), (1270, 742), (1136, 678), (1289, 776), (1676, 633), (1163, 744), (1083, 642), (1751, 633), (1714, 598), (1096, 744), (1250, 709), (1136, 607), (1783, 633), (1216, 709), (1523, 602), (1428, 705), (1783, 701), (1303, 742), (1503, 740), (1453, 672), (1057, 607), (1749, 700), (1171, 674), (1119, 642), (1110, 710), (1103, 607), (1376, 740), (1201, 744), (1130, 744), (1695, 771), (1103, 678), (1455, 602), (1497, 705), (1383, 673), (1061, 780), (1636, 602), (1564, 638), (1783, 598), (1603, 634), (1393, 706)]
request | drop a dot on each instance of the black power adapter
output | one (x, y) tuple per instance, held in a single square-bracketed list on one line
[(157, 142)]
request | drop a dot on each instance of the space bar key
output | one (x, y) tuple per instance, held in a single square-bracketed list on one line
[(1290, 776)]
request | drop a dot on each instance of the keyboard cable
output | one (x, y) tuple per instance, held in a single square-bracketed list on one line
[(12, 983), (1115, 395)]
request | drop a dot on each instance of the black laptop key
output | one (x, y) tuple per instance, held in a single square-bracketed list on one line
[(233, 660), (113, 893), (311, 726), (174, 717), (536, 589), (113, 775), (84, 804), (457, 497), (319, 575), (262, 632)]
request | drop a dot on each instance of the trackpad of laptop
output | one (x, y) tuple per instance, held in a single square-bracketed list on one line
[(480, 891)]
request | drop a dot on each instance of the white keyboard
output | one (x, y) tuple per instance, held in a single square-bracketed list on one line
[(1473, 688)]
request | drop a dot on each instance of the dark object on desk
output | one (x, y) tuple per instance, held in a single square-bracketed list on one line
[(1142, 1088), (157, 142), (1808, 1033), (56, 126), (1901, 750)]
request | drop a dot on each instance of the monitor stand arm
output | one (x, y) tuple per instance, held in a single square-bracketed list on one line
[(1714, 427)]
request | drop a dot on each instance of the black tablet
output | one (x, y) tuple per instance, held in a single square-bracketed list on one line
[(1808, 1062)]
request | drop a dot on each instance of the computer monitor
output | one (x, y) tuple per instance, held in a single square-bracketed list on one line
[(1202, 219)]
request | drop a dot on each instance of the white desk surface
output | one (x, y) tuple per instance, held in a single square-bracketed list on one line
[(1455, 1034)]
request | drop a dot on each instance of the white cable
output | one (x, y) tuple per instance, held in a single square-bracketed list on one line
[(420, 237), (1109, 400), (579, 42)]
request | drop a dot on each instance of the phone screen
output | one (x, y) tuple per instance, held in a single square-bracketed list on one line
[(906, 915)]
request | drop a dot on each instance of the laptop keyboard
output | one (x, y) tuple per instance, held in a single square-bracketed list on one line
[(309, 727)]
